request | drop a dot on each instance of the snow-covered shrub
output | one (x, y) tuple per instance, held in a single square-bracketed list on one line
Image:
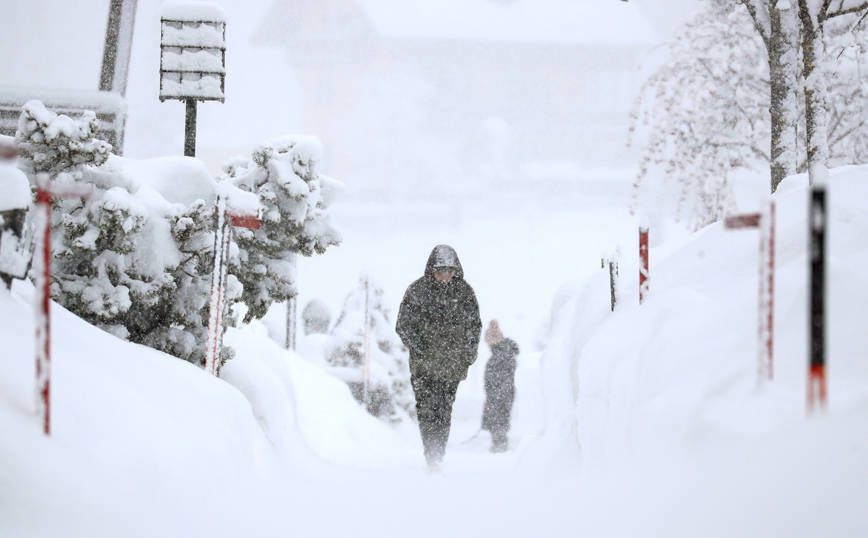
[(135, 258), (129, 261), (389, 392), (294, 198), (54, 144), (316, 317)]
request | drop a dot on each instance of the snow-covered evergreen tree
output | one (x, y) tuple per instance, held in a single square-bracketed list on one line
[(389, 394), (294, 199), (54, 144), (138, 265), (126, 259)]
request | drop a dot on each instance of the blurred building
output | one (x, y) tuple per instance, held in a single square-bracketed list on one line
[(417, 97)]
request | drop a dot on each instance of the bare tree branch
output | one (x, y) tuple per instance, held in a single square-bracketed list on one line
[(842, 11), (757, 22)]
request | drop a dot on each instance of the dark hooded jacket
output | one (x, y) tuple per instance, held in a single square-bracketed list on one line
[(439, 322)]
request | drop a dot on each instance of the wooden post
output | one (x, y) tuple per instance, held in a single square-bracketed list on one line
[(817, 219), (45, 191)]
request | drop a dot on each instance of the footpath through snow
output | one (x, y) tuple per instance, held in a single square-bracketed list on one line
[(654, 423)]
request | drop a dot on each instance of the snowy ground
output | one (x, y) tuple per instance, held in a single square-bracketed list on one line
[(668, 434)]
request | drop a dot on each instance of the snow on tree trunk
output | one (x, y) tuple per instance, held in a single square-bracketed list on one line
[(782, 46), (813, 54)]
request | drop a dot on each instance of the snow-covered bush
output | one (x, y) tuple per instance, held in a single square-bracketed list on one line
[(54, 144), (294, 199), (135, 258), (131, 262), (389, 392), (316, 317)]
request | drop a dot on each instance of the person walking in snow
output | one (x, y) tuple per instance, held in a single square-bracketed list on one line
[(439, 323), (499, 386)]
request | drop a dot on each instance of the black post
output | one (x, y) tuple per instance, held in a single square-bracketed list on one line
[(817, 226), (118, 44), (110, 50), (613, 283), (190, 129)]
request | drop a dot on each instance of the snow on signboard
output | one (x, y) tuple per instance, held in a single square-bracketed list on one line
[(192, 51)]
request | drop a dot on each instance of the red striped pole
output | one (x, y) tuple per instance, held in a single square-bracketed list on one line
[(227, 217), (765, 300), (770, 290), (644, 274), (43, 307), (45, 190)]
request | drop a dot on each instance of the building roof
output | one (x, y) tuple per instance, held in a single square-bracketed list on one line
[(600, 22), (537, 21)]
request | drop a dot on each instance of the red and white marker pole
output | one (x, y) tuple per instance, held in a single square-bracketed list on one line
[(226, 218), (45, 191), (766, 294), (644, 273), (765, 325)]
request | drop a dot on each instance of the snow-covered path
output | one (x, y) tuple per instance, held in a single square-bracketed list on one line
[(146, 445)]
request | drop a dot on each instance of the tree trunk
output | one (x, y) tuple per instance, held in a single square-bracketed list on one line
[(813, 53), (783, 68)]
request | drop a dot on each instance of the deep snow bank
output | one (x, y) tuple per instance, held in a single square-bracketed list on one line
[(145, 444), (678, 375)]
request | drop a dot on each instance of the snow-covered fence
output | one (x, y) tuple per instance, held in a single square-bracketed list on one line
[(817, 255), (234, 208), (192, 58), (109, 108), (45, 191), (765, 222)]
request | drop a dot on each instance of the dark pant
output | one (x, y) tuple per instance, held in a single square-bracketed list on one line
[(434, 399)]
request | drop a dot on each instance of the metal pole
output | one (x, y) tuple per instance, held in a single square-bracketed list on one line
[(292, 310), (366, 372), (190, 129), (613, 282), (817, 254), (212, 348)]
